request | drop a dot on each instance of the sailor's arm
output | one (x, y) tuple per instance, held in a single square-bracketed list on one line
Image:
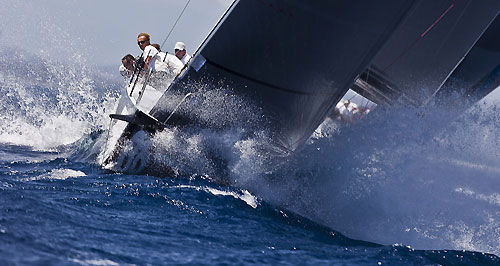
[(146, 62), (149, 53)]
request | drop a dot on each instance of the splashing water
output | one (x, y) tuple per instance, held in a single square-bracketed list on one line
[(50, 94), (390, 178), (44, 107), (403, 175), (393, 179)]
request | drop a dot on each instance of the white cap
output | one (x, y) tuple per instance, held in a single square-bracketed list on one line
[(179, 46)]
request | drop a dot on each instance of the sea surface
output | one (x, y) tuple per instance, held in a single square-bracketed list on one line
[(56, 210), (401, 187)]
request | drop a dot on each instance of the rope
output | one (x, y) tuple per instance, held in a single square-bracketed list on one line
[(180, 15)]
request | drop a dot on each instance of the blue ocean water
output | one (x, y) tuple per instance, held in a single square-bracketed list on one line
[(401, 187), (58, 211)]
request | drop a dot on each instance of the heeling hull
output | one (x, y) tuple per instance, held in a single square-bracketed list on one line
[(293, 59), (429, 44)]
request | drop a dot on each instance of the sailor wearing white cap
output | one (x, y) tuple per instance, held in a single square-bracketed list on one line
[(180, 52)]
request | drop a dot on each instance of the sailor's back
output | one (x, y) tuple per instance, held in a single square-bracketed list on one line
[(172, 63)]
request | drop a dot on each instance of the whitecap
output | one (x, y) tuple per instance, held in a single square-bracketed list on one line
[(244, 195), (98, 262), (58, 174)]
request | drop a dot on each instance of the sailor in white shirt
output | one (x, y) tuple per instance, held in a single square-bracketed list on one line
[(160, 76), (127, 67), (149, 54), (180, 52), (173, 64), (347, 110)]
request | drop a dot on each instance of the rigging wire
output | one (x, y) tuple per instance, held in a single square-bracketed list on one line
[(180, 15)]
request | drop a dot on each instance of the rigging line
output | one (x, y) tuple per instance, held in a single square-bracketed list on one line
[(366, 105), (367, 73), (437, 20), (180, 15), (352, 97), (421, 36)]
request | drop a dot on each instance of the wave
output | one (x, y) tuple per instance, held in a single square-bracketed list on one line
[(46, 103), (402, 175), (411, 176)]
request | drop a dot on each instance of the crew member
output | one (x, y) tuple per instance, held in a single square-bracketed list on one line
[(158, 70), (127, 67), (174, 65), (180, 52), (347, 110), (149, 53)]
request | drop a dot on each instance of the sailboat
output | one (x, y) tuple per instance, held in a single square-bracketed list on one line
[(284, 65)]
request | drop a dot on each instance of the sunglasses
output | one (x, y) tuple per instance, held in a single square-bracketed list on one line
[(141, 42)]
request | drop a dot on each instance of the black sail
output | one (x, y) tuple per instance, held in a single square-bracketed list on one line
[(427, 47), (293, 59)]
